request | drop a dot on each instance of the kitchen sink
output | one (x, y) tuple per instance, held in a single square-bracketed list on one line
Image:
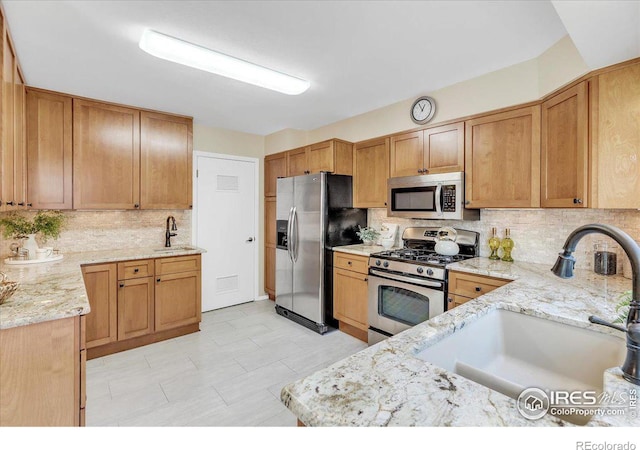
[(175, 249), (509, 352)]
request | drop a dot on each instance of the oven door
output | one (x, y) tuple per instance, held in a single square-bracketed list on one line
[(398, 302)]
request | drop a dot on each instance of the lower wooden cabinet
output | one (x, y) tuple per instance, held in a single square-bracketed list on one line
[(42, 374), (350, 294), (466, 286), (270, 271), (177, 300), (139, 302)]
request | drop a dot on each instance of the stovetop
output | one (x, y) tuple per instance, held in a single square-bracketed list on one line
[(419, 256)]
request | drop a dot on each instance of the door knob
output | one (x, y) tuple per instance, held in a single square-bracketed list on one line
[(250, 239)]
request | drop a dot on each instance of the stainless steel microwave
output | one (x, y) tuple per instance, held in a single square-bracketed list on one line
[(437, 196)]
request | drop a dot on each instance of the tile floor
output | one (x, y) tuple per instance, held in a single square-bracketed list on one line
[(228, 374)]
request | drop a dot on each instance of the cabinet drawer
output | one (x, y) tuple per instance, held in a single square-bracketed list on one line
[(135, 269), (456, 300), (177, 264), (351, 262), (472, 286)]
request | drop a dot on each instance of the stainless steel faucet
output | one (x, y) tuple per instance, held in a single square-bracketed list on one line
[(564, 269), (168, 235)]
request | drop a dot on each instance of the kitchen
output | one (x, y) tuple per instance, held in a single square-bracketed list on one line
[(538, 231)]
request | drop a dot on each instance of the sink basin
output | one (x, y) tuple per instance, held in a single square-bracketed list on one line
[(175, 249), (509, 352)]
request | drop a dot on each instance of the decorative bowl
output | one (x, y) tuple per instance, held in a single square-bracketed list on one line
[(387, 243), (7, 288)]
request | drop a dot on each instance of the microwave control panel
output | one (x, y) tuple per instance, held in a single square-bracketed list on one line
[(449, 198)]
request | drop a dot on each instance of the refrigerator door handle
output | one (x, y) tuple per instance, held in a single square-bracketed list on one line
[(294, 230), (290, 234)]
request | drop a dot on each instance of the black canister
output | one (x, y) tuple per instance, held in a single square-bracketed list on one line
[(604, 259)]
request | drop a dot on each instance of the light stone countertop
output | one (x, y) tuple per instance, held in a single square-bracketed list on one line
[(55, 290), (359, 249), (386, 385)]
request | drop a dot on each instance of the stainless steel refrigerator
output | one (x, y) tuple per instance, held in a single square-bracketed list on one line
[(314, 214)]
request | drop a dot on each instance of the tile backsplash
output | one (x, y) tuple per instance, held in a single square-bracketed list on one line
[(539, 234), (105, 230)]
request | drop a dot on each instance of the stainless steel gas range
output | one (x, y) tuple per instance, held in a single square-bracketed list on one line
[(408, 286)]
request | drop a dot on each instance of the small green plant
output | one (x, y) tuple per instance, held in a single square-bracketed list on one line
[(623, 307), (47, 223), (367, 233)]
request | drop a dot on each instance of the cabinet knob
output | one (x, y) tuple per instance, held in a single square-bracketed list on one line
[(158, 280), (577, 201), (349, 262), (449, 299), (9, 203), (21, 204), (419, 170), (425, 170), (121, 285), (478, 288), (190, 206), (29, 204), (136, 270), (137, 205), (468, 202)]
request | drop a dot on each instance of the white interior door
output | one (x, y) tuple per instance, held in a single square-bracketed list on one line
[(225, 214)]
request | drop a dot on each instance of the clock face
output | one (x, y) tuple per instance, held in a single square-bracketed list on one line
[(423, 110)]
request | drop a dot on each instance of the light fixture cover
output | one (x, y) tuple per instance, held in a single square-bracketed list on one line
[(192, 55)]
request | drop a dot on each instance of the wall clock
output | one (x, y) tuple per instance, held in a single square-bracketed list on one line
[(422, 110)]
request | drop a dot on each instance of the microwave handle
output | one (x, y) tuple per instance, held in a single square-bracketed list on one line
[(439, 199)]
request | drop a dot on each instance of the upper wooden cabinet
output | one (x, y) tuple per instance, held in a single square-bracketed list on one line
[(502, 159), (275, 166), (370, 173), (565, 149), (166, 155), (106, 156), (49, 150), (434, 150), (333, 156), (12, 139), (615, 138)]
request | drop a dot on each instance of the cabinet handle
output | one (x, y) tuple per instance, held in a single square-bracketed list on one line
[(449, 299), (577, 201), (121, 285), (419, 170), (158, 280), (29, 204), (9, 203), (425, 170), (366, 278), (137, 205), (478, 288), (21, 204), (136, 270)]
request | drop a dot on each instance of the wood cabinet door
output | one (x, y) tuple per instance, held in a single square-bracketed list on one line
[(49, 150), (350, 298), (100, 282), (370, 173), (297, 161), (106, 156), (166, 155), (444, 148), (321, 157), (502, 159), (135, 307), (19, 141), (177, 300), (615, 139), (270, 271), (564, 149), (270, 221), (275, 166), (407, 154), (7, 199)]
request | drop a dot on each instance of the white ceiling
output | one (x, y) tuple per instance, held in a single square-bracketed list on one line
[(358, 55)]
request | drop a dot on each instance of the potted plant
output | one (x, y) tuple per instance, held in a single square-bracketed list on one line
[(367, 234), (47, 223)]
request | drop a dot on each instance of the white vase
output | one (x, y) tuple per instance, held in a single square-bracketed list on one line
[(30, 244)]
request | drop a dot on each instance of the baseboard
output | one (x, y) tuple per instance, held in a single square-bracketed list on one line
[(262, 297)]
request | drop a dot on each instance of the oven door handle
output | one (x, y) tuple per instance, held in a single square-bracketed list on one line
[(439, 199), (417, 281)]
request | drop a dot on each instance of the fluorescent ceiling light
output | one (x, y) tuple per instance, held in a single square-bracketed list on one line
[(192, 55)]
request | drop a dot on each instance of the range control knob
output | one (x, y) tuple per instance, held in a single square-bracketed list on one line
[(420, 270), (429, 272), (385, 264), (377, 262)]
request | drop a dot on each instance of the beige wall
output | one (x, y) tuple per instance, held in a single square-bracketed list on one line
[(527, 81), (229, 142)]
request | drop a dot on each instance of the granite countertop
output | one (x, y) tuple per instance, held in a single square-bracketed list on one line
[(55, 290), (386, 385), (359, 249)]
